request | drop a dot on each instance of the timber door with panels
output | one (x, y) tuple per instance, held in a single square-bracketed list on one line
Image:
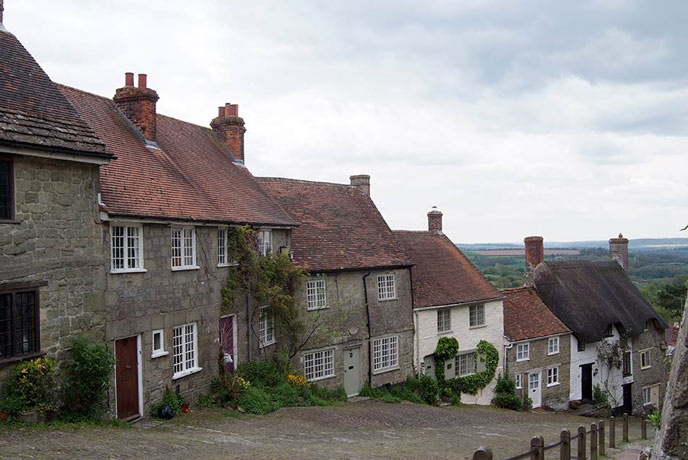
[(535, 388), (127, 377), (352, 371)]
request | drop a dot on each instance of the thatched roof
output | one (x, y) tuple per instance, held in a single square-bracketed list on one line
[(588, 296)]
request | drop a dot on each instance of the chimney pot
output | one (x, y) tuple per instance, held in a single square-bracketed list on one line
[(535, 253), (129, 79), (361, 182), (138, 104), (221, 111), (143, 80), (435, 220), (618, 250), (228, 127)]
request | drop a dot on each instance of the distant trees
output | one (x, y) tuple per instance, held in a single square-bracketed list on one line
[(668, 298)]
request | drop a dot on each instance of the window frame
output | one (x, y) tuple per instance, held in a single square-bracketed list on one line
[(580, 345), (459, 365), (550, 349), (649, 401), (553, 376), (263, 248), (444, 322), (518, 381), (11, 193), (627, 364), (383, 287), (379, 369), (315, 303), (186, 369), (263, 339), (479, 311), (324, 351), (125, 249), (36, 345), (609, 331), (222, 247), (523, 356), (643, 353), (157, 353), (183, 247)]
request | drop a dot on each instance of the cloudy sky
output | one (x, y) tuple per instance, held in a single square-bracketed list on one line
[(562, 119)]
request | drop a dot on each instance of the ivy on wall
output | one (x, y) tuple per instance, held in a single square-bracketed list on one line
[(471, 384), (447, 347)]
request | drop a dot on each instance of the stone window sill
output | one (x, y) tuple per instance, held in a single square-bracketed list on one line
[(10, 221), (133, 270), (22, 358), (552, 384), (387, 369), (189, 267), (478, 326), (159, 354), (187, 372)]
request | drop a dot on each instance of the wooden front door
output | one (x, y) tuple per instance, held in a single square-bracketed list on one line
[(586, 382), (127, 377), (227, 330)]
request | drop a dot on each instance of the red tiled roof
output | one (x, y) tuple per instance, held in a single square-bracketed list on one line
[(339, 226), (442, 275), (527, 317), (190, 177), (33, 112)]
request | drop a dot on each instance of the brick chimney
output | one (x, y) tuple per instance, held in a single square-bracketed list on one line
[(138, 104), (535, 253), (361, 182), (229, 129), (435, 220), (618, 250)]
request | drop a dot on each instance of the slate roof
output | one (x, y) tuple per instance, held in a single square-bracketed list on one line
[(191, 176), (34, 113), (527, 317), (340, 228), (442, 275), (588, 296)]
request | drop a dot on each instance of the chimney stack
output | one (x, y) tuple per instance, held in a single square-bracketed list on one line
[(435, 220), (138, 104), (618, 250), (535, 253), (228, 127), (361, 182)]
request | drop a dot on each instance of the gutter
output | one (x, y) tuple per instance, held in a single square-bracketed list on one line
[(370, 341)]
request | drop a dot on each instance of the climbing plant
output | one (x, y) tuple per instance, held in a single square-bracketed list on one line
[(447, 347), (487, 353), (610, 355)]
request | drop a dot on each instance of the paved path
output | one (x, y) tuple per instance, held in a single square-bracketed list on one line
[(364, 430)]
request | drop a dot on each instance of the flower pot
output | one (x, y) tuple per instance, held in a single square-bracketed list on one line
[(4, 416)]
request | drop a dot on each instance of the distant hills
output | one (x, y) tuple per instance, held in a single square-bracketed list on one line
[(639, 244)]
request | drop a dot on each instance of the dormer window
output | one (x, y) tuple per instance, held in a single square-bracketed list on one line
[(609, 332)]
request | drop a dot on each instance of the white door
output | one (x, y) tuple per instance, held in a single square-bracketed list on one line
[(352, 371), (535, 389)]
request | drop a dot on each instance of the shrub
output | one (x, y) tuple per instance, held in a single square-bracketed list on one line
[(655, 418), (264, 374), (31, 386), (257, 401), (287, 396), (388, 398), (12, 405), (169, 399), (505, 394), (88, 378), (599, 396), (403, 391), (428, 389)]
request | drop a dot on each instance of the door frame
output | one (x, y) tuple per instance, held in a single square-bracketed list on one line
[(235, 354), (360, 369), (139, 371), (539, 374)]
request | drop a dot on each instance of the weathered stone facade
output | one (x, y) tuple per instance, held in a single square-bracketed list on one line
[(649, 341), (554, 396), (56, 245)]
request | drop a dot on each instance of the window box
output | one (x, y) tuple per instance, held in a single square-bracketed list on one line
[(126, 249), (386, 288), (385, 354), (318, 365)]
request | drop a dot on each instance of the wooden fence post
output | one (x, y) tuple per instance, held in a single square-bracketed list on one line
[(565, 449), (625, 428), (537, 448), (600, 431), (483, 453), (581, 443), (612, 432), (593, 441), (643, 428)]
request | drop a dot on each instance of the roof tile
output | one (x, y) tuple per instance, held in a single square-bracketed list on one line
[(527, 317)]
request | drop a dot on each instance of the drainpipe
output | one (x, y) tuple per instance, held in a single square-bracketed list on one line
[(370, 342)]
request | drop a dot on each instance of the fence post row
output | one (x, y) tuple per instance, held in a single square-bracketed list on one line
[(643, 428), (537, 448), (483, 453), (625, 427), (581, 443), (565, 448), (612, 432), (600, 432), (593, 441)]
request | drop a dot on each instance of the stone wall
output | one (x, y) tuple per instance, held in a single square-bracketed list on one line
[(57, 243), (555, 396), (656, 374)]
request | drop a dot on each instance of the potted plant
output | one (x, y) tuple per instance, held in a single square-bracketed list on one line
[(31, 390)]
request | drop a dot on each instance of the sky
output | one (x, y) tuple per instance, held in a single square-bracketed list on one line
[(556, 118)]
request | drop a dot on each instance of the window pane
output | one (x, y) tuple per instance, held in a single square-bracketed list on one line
[(222, 246), (5, 326), (157, 345), (5, 204), (176, 247), (23, 323), (117, 245), (133, 247)]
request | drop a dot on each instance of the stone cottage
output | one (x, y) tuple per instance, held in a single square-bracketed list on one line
[(537, 351), (166, 206), (51, 250), (618, 338), (451, 298), (359, 288)]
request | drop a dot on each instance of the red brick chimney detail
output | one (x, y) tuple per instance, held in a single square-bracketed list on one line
[(618, 250), (435, 220), (535, 252), (229, 129), (138, 104)]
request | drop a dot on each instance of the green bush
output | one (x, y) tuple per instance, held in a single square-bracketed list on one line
[(599, 396), (169, 398), (388, 398), (31, 386), (505, 394), (257, 401), (12, 405), (88, 378), (266, 374), (404, 392), (428, 390), (287, 396)]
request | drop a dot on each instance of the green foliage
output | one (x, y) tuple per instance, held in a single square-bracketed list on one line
[(505, 394), (12, 404), (389, 398), (470, 384), (394, 393), (447, 347), (88, 378), (287, 395), (171, 399), (31, 386), (264, 374), (428, 390), (257, 401), (655, 418), (599, 396)]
